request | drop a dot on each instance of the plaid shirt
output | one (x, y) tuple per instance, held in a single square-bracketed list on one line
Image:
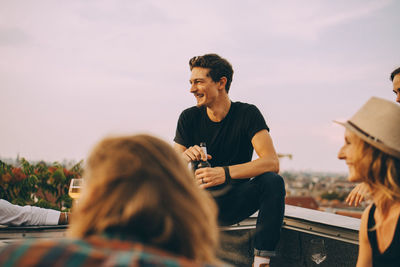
[(94, 251)]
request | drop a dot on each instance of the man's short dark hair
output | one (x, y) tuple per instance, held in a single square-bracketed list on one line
[(219, 67), (394, 73)]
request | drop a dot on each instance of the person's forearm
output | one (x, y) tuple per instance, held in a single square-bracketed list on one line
[(254, 168), (180, 149), (27, 215), (42, 216)]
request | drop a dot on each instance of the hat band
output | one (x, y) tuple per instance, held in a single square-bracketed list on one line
[(373, 138)]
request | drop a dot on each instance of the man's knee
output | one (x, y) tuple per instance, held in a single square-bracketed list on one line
[(272, 182)]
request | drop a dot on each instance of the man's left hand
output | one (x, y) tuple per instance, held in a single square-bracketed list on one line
[(209, 177)]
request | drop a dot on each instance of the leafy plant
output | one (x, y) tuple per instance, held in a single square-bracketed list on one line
[(38, 184)]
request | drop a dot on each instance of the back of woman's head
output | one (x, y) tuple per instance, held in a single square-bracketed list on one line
[(138, 187)]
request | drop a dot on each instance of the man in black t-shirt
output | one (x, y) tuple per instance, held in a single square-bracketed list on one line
[(232, 130)]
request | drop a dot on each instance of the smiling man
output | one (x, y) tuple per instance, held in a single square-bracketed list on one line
[(232, 131), (395, 77)]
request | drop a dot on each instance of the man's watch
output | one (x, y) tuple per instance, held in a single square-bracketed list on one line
[(227, 175)]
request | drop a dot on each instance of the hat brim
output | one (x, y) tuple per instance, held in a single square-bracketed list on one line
[(373, 142)]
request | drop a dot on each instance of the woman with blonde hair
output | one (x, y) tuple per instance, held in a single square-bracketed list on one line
[(138, 207), (372, 153)]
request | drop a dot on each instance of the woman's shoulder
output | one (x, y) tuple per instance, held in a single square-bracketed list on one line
[(365, 217), (367, 210)]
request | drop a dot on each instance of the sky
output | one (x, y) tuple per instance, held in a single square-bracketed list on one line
[(73, 72)]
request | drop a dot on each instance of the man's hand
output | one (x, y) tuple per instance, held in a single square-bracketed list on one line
[(358, 194), (195, 153), (209, 177)]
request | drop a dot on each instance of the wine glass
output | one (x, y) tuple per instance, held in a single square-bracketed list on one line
[(318, 253), (75, 188)]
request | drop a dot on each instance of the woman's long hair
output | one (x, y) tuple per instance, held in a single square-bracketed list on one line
[(380, 171), (139, 187)]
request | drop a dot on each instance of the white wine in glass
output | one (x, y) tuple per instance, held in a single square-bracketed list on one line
[(75, 188)]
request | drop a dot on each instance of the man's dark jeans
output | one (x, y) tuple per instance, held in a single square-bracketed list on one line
[(265, 193)]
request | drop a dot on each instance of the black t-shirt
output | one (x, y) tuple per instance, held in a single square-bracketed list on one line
[(228, 141)]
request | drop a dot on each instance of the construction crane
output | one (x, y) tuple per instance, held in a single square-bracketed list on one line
[(290, 156)]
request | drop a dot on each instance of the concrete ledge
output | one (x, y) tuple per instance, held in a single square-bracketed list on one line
[(339, 235), (314, 222), (18, 232)]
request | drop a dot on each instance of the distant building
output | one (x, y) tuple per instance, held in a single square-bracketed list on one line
[(302, 201), (354, 214)]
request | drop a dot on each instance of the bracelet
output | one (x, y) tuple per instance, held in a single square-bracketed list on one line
[(227, 175)]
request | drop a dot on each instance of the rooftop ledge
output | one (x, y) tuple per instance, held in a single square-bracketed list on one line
[(313, 222), (339, 235), (300, 227), (299, 219)]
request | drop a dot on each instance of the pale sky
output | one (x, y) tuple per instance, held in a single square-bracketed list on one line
[(73, 72)]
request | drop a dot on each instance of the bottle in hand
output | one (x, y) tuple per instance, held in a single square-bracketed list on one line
[(203, 163)]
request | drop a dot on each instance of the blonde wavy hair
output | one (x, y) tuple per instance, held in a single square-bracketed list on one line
[(380, 171), (139, 187)]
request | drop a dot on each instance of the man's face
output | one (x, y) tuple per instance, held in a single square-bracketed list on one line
[(396, 87), (348, 152), (203, 87)]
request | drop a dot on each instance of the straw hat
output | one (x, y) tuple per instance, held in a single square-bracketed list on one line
[(378, 124)]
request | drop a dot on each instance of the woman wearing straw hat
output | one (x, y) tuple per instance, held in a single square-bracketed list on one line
[(360, 192), (372, 153)]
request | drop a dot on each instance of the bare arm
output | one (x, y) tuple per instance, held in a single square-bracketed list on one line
[(11, 214), (267, 162), (358, 194), (364, 251)]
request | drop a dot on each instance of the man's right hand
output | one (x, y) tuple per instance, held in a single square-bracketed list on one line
[(195, 153)]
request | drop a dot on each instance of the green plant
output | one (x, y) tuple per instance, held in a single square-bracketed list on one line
[(40, 184)]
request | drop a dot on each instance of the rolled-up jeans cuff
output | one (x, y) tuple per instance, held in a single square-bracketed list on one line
[(264, 253)]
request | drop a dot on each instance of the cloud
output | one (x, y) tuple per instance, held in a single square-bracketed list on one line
[(96, 67), (13, 36), (355, 12), (297, 19), (330, 132)]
